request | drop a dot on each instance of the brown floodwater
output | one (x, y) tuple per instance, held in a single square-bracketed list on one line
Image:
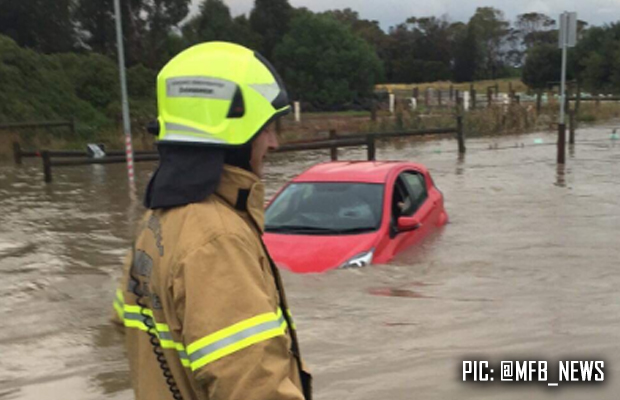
[(527, 269)]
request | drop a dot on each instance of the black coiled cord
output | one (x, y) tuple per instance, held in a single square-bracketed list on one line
[(154, 339)]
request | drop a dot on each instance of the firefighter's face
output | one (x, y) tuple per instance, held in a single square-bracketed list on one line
[(266, 140)]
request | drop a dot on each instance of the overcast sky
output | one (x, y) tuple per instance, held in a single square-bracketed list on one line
[(392, 12)]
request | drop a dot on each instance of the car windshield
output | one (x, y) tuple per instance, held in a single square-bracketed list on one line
[(326, 209)]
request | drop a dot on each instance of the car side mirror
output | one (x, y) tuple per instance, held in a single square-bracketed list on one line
[(408, 224)]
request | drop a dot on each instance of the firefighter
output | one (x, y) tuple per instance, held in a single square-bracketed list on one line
[(202, 303)]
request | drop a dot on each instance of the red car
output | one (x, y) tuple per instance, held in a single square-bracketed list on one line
[(351, 214)]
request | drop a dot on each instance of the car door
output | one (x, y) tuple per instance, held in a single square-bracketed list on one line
[(410, 198)]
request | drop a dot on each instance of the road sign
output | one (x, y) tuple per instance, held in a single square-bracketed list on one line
[(568, 29)]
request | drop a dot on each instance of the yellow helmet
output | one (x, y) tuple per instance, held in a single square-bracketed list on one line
[(218, 94)]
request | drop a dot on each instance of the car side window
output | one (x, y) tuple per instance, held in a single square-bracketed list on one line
[(401, 200), (416, 188)]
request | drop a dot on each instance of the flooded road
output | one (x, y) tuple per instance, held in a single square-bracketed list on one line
[(528, 269)]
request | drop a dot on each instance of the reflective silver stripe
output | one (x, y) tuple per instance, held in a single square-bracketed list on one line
[(184, 138), (268, 90), (165, 335), (136, 317), (237, 337), (183, 355), (183, 128), (200, 86)]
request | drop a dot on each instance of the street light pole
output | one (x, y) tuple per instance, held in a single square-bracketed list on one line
[(125, 103)]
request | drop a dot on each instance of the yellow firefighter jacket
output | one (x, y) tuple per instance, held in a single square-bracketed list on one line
[(211, 301)]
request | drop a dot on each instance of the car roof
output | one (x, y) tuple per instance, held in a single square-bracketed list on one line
[(354, 171)]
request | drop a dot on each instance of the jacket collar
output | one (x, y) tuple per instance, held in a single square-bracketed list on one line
[(244, 191)]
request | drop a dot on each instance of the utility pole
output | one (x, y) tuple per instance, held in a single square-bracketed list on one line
[(568, 38), (125, 102)]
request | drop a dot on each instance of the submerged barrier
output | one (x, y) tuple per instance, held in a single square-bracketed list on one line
[(52, 158)]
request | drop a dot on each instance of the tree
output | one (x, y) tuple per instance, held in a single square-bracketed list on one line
[(147, 25), (324, 63), (492, 31), (214, 22), (542, 65), (42, 25), (420, 50), (271, 19), (595, 58), (366, 29), (466, 55), (532, 28)]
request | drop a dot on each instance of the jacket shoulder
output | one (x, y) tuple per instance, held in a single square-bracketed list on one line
[(204, 222)]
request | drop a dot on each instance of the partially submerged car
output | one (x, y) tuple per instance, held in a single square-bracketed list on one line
[(351, 214)]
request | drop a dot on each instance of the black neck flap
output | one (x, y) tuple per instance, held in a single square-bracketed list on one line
[(186, 174)]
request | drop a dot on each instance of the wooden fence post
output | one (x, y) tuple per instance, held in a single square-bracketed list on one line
[(416, 94), (578, 102), (334, 150), (451, 92), (17, 153), (371, 147), (489, 97), (427, 94), (460, 134), (439, 97), (472, 94), (538, 101), (47, 166)]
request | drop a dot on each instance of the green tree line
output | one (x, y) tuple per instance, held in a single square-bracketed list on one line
[(57, 58)]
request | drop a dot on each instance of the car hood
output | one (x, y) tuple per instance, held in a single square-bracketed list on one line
[(316, 253)]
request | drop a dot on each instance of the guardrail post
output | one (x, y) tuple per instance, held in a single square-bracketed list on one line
[(17, 153), (571, 123), (561, 143), (371, 147), (334, 150), (373, 110), (47, 166), (460, 134)]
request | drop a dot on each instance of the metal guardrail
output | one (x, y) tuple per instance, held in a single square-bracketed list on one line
[(77, 158)]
